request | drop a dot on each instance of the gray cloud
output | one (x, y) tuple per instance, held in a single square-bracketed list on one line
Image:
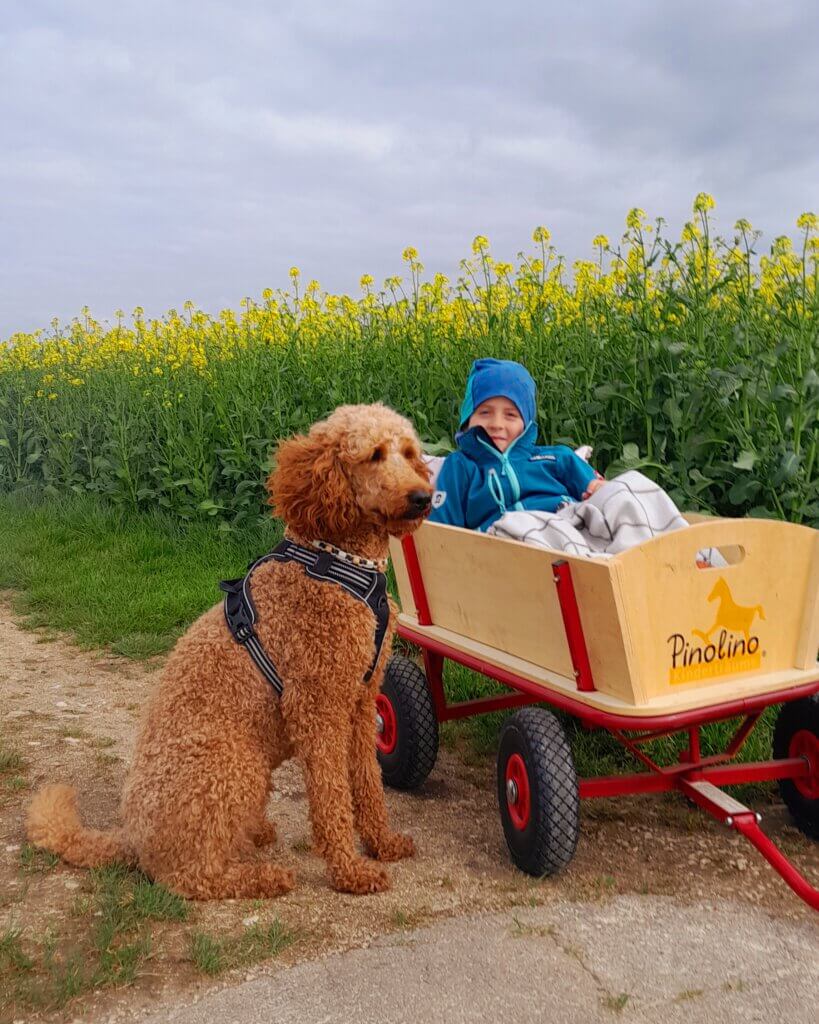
[(158, 151)]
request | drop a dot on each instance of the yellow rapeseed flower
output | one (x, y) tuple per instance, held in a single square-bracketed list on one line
[(541, 235), (635, 218), (480, 243), (808, 222), (600, 241), (703, 203), (410, 254)]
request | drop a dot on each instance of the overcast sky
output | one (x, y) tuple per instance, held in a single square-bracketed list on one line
[(163, 150)]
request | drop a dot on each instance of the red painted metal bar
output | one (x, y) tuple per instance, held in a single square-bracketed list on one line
[(748, 826), (661, 780), (742, 733), (625, 785), (692, 755), (444, 712), (434, 669), (752, 771), (635, 751), (479, 706), (562, 574), (419, 593), (608, 719)]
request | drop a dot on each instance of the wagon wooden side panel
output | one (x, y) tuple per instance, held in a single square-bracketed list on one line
[(501, 594), (752, 623)]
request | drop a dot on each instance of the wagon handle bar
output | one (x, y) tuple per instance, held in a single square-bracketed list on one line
[(749, 827)]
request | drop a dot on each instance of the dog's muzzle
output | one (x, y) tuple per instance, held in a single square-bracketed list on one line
[(418, 503)]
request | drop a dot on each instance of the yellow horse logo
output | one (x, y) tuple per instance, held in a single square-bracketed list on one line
[(732, 617)]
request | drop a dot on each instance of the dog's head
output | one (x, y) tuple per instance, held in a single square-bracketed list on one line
[(361, 468)]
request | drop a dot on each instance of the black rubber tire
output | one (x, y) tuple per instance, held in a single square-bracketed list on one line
[(548, 842), (416, 748), (793, 717)]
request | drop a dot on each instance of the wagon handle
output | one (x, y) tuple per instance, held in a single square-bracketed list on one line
[(748, 825)]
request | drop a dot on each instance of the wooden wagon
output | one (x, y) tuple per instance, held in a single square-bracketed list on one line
[(645, 644)]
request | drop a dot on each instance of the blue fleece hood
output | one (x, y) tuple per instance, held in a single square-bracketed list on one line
[(504, 378)]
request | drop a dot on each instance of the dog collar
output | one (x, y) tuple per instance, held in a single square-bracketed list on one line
[(376, 564)]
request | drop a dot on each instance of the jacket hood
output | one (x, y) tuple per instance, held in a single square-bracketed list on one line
[(493, 378)]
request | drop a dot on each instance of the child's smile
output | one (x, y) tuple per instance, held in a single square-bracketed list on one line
[(501, 419)]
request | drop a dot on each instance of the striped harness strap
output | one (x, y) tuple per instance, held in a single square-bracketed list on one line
[(367, 585)]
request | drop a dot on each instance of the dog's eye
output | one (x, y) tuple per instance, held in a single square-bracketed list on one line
[(377, 455), (409, 453)]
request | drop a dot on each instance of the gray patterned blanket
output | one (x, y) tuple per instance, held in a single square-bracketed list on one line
[(626, 511)]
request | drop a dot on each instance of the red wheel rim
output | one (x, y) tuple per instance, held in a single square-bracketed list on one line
[(805, 744), (386, 735), (518, 796)]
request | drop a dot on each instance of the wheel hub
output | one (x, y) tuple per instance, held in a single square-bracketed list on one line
[(386, 725), (518, 794), (805, 744)]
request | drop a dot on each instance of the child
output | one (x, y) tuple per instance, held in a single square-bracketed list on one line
[(500, 482), (498, 468)]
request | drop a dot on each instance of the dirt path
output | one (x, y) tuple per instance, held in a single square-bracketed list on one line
[(73, 715)]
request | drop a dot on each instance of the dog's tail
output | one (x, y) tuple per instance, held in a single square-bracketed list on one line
[(53, 823)]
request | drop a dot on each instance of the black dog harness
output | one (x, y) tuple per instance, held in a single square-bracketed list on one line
[(367, 585)]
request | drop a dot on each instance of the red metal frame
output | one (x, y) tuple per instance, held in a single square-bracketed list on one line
[(562, 575), (419, 593), (695, 776), (537, 694)]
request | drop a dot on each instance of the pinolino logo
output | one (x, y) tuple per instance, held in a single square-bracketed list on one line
[(727, 647)]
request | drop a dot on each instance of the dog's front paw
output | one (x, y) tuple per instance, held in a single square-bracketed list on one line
[(391, 846), (361, 877), (274, 880), (266, 835)]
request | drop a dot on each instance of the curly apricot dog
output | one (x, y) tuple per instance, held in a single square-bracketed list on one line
[(193, 806)]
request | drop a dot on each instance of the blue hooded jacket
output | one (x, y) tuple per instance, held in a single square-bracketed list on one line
[(478, 483)]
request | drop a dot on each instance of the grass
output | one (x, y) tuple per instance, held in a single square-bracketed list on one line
[(34, 861), (45, 972), (130, 583), (10, 759), (212, 955), (616, 1003)]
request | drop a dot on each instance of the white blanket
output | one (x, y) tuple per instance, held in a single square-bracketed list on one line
[(623, 512)]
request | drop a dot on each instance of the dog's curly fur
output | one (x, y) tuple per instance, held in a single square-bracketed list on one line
[(193, 806)]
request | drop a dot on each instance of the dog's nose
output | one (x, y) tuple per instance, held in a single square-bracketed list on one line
[(419, 501)]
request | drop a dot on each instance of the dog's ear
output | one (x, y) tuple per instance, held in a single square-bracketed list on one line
[(309, 490)]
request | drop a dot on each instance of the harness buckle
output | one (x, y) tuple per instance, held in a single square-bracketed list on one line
[(242, 632)]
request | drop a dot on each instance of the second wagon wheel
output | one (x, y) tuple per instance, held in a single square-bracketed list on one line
[(537, 792), (796, 734), (406, 725)]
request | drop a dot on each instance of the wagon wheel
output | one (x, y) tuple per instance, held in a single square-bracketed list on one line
[(537, 792), (796, 734), (407, 727)]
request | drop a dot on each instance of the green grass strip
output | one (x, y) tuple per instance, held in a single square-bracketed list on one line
[(125, 581)]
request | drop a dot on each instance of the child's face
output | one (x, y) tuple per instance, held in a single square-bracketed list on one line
[(501, 419)]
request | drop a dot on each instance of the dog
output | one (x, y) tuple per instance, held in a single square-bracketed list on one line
[(193, 805)]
